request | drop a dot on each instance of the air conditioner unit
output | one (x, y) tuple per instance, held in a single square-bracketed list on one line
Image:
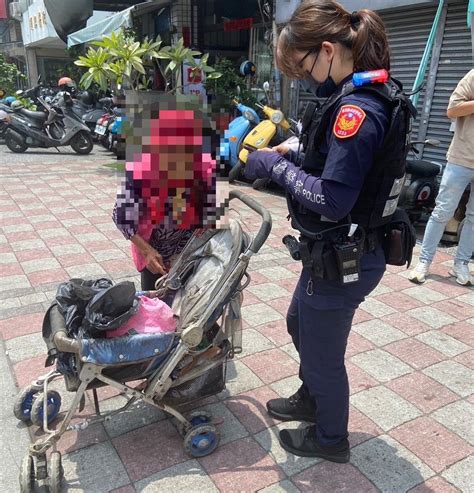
[(15, 10)]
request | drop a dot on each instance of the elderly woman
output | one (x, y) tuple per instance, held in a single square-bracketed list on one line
[(168, 190)]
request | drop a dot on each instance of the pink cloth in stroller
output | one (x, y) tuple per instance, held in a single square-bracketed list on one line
[(153, 316)]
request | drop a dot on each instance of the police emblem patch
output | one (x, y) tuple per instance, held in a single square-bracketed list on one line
[(348, 121)]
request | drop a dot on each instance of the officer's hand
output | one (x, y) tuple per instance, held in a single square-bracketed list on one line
[(281, 149)]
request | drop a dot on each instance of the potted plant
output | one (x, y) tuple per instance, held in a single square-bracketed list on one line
[(121, 62)]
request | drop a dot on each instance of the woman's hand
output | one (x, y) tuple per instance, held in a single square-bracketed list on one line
[(154, 262)]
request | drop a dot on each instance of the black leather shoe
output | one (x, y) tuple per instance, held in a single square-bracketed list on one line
[(303, 442), (294, 408)]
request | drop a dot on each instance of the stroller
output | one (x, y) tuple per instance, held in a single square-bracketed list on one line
[(204, 288)]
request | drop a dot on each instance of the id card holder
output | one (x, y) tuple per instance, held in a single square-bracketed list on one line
[(348, 261)]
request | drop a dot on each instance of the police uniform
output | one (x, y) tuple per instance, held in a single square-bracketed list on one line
[(351, 172)]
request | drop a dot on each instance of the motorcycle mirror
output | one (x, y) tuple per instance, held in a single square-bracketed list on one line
[(266, 86), (19, 92), (432, 142)]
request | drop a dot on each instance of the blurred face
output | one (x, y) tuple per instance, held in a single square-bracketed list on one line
[(177, 161)]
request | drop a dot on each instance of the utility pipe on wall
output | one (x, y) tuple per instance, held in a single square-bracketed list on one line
[(426, 55)]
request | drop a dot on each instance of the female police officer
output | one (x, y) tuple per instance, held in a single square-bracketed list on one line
[(341, 192)]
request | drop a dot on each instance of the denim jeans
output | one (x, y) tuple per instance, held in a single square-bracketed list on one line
[(455, 180)]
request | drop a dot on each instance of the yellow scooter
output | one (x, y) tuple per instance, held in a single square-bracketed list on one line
[(259, 137)]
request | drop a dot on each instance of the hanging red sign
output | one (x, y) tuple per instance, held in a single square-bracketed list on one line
[(3, 9), (238, 24)]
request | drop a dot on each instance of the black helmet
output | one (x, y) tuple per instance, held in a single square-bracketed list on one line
[(87, 98)]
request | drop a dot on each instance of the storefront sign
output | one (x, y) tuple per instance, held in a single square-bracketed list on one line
[(238, 24), (38, 20)]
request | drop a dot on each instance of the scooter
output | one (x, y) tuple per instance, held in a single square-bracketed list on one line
[(115, 134), (53, 127), (234, 136), (4, 121), (421, 186), (261, 136)]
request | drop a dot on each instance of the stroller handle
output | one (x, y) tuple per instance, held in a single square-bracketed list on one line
[(266, 226)]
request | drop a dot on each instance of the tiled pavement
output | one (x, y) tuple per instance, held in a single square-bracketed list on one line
[(410, 360)]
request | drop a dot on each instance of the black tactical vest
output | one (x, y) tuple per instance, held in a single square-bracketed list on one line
[(378, 198)]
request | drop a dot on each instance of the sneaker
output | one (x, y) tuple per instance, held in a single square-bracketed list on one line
[(461, 273), (419, 273), (295, 408), (302, 442)]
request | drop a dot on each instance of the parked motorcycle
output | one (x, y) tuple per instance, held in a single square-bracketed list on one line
[(261, 136), (101, 129), (421, 186), (52, 127), (231, 142), (115, 133), (85, 107), (4, 121)]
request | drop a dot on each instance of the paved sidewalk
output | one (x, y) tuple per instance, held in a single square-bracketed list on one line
[(409, 359)]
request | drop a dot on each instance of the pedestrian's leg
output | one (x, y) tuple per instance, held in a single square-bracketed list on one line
[(466, 242), (454, 182)]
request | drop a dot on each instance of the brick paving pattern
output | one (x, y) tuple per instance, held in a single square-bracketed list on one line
[(409, 358)]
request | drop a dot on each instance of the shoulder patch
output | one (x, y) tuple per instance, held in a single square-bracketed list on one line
[(348, 121)]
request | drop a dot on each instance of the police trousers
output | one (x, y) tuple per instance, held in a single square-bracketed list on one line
[(319, 324)]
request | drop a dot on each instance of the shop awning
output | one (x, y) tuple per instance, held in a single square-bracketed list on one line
[(113, 23)]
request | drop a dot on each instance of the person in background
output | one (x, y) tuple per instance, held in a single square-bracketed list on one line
[(458, 174)]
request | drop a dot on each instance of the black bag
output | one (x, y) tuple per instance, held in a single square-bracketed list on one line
[(72, 298), (110, 308), (399, 240)]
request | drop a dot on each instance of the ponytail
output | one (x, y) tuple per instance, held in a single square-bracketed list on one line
[(316, 21), (369, 41)]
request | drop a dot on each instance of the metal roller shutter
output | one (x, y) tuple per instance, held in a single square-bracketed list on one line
[(408, 30), (455, 61)]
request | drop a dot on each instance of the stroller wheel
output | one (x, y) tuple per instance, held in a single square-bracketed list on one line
[(55, 472), (24, 402), (200, 418), (54, 405), (27, 475), (201, 440), (195, 418)]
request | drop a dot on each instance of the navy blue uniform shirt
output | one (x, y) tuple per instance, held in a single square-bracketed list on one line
[(349, 159)]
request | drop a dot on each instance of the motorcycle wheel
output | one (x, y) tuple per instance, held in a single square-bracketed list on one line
[(82, 143), (14, 145)]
